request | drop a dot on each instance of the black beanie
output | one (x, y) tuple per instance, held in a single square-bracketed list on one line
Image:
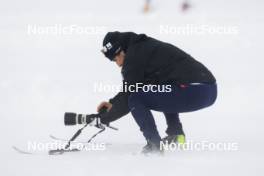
[(111, 45), (115, 42)]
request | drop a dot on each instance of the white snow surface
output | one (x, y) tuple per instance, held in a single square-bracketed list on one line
[(42, 76)]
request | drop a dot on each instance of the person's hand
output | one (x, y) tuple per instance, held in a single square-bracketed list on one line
[(104, 104)]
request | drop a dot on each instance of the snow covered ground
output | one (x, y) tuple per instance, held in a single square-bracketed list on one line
[(44, 75)]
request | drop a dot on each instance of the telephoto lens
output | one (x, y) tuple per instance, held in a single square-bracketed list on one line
[(71, 118)]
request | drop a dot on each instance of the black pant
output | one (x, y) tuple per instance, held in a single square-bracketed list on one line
[(181, 99)]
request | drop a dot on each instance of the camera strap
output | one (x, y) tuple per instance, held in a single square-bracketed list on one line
[(98, 124)]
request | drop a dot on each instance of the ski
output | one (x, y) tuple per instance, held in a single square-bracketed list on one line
[(61, 151), (22, 151), (57, 138), (65, 140), (50, 152)]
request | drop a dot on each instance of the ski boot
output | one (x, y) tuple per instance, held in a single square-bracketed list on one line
[(152, 148), (177, 139)]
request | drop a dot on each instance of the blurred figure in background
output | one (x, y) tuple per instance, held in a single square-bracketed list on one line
[(146, 6), (185, 5)]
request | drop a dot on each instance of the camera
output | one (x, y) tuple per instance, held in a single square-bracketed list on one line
[(71, 118)]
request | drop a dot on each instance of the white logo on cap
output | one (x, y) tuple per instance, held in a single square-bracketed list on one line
[(108, 45)]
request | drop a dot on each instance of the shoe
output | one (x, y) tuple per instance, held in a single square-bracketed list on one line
[(151, 148), (178, 139)]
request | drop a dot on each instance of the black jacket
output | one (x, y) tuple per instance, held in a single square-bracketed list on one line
[(151, 61)]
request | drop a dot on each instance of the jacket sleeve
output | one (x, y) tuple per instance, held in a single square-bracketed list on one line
[(119, 108)]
